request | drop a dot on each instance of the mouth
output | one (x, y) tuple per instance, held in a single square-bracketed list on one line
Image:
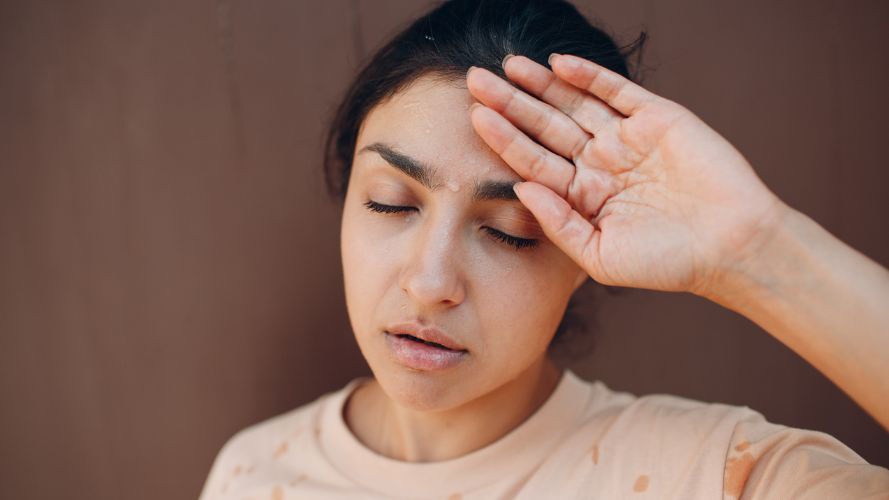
[(407, 336), (422, 355), (426, 335)]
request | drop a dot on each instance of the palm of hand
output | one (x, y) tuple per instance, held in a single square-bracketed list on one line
[(652, 198)]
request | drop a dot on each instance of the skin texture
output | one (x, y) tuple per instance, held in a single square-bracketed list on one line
[(661, 199), (437, 265), (627, 187), (640, 192)]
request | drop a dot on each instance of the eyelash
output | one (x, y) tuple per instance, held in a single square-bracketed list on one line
[(518, 243)]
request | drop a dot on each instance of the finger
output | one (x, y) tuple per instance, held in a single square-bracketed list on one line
[(591, 113), (529, 159), (549, 126), (566, 228), (617, 91)]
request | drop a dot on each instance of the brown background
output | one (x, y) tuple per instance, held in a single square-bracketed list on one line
[(169, 268)]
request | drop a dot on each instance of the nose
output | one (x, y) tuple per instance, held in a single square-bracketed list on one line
[(432, 272)]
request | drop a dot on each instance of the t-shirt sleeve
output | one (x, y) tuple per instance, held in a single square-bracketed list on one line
[(226, 465), (768, 460)]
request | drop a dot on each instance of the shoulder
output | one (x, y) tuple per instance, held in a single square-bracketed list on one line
[(662, 417), (664, 431), (766, 459), (671, 443), (256, 438), (268, 441)]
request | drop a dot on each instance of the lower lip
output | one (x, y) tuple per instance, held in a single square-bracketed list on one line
[(421, 356)]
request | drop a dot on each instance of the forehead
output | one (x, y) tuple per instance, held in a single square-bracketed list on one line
[(429, 120)]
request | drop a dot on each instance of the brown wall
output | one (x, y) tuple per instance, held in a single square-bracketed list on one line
[(169, 263)]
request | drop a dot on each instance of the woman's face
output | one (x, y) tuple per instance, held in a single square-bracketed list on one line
[(449, 259)]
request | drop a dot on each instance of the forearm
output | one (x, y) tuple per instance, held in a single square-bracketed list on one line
[(823, 299)]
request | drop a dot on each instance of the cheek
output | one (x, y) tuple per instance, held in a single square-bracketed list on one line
[(367, 270), (521, 305)]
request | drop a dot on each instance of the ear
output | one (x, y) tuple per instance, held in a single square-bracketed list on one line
[(582, 276)]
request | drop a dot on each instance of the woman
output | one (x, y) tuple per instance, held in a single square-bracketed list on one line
[(457, 275)]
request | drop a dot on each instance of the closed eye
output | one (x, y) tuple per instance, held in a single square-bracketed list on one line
[(386, 209), (515, 241)]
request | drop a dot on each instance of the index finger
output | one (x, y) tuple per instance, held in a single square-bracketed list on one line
[(529, 159), (550, 127)]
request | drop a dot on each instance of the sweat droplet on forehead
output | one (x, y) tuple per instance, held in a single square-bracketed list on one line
[(417, 108)]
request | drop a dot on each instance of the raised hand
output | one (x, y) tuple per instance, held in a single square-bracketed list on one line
[(634, 187)]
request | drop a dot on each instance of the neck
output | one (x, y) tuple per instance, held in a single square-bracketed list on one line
[(416, 436)]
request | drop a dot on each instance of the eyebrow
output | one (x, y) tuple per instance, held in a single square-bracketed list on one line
[(426, 175)]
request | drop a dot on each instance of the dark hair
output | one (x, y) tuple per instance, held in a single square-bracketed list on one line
[(445, 42)]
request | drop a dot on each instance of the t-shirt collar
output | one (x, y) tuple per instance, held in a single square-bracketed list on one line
[(511, 456)]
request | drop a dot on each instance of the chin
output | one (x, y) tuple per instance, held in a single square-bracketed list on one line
[(421, 391)]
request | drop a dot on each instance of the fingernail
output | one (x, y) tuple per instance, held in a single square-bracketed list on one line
[(469, 71), (473, 106), (505, 58), (515, 189), (550, 59)]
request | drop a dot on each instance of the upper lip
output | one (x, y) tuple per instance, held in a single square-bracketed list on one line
[(427, 333)]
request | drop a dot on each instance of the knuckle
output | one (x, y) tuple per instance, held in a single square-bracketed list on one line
[(537, 165), (562, 227), (613, 90), (550, 85), (574, 104), (510, 102), (595, 82), (542, 121), (509, 149)]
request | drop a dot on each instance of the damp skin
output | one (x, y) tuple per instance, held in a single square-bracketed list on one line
[(439, 264)]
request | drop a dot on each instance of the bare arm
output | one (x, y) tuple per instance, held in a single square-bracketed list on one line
[(640, 192), (822, 299)]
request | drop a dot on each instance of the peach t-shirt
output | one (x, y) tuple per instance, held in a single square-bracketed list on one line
[(585, 441)]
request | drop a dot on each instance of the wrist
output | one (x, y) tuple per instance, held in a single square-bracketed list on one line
[(770, 253)]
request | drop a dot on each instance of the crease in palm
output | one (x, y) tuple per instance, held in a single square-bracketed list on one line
[(634, 187)]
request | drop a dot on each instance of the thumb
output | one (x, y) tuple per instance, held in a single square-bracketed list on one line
[(563, 225)]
